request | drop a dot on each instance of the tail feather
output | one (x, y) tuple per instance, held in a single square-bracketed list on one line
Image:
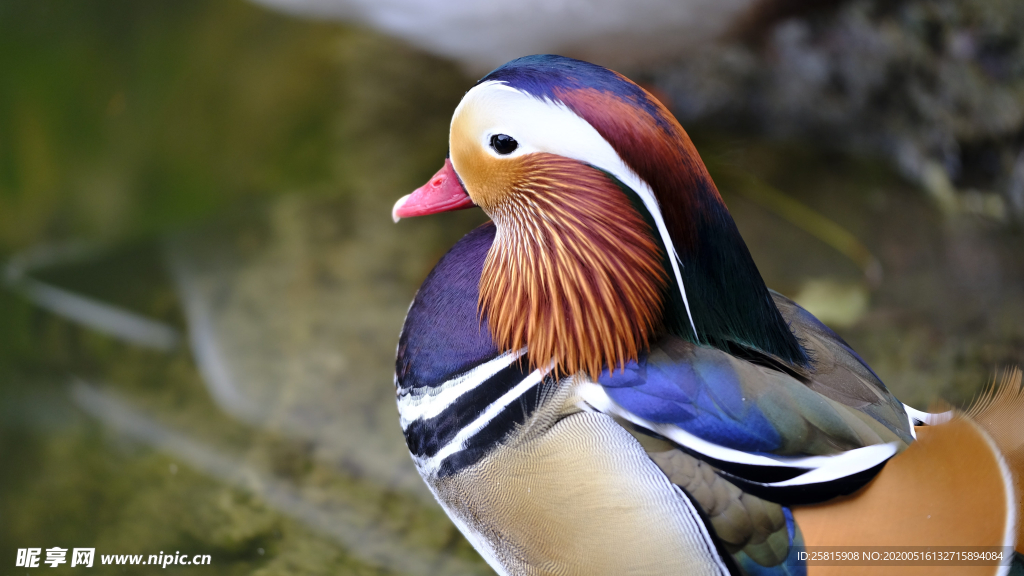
[(999, 411)]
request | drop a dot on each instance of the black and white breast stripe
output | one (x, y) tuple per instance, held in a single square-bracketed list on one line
[(454, 424)]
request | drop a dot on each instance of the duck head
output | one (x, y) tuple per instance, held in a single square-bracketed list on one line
[(609, 230)]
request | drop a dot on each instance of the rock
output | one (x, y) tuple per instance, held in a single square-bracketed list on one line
[(483, 35)]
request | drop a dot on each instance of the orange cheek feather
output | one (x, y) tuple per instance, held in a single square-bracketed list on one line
[(487, 179)]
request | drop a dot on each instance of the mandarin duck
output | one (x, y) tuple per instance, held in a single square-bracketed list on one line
[(598, 381)]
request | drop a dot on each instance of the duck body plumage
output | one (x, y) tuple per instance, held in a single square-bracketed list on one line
[(708, 426), (730, 404)]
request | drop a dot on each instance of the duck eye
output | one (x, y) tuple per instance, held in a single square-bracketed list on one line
[(504, 144)]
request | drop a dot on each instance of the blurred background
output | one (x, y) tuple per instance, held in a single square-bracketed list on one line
[(202, 288)]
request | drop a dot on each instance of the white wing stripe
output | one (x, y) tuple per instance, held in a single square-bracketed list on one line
[(929, 418), (820, 468), (843, 464)]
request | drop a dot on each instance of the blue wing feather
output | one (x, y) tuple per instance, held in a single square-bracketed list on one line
[(701, 394), (764, 408)]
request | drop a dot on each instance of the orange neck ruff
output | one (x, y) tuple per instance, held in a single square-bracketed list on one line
[(574, 273)]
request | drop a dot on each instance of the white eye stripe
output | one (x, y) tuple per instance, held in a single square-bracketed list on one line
[(542, 125)]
